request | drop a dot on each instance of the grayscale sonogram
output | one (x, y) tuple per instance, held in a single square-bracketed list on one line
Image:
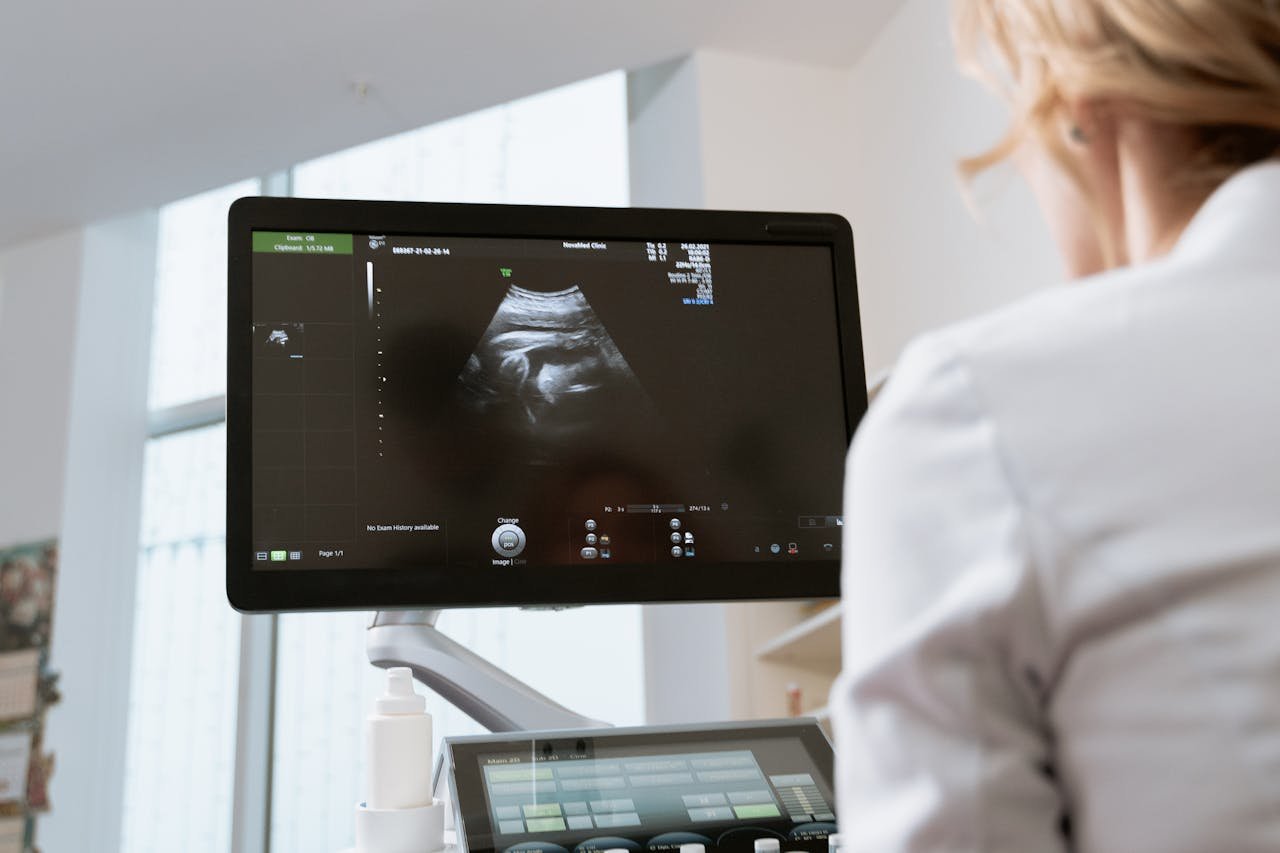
[(546, 370), (278, 340)]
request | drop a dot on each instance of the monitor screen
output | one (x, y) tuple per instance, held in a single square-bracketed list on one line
[(615, 411), (645, 789)]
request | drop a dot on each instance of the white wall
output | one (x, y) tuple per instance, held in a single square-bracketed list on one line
[(39, 290), (718, 130), (923, 259), (775, 135)]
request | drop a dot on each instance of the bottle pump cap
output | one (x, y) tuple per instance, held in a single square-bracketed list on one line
[(400, 697)]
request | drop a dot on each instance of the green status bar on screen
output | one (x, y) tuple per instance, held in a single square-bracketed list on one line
[(301, 243)]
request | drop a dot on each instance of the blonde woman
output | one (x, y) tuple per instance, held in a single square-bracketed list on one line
[(1062, 553)]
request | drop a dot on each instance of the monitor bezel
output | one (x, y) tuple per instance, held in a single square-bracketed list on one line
[(257, 591)]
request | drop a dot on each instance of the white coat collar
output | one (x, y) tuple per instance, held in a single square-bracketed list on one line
[(1244, 210)]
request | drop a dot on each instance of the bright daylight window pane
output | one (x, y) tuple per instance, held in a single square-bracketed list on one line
[(567, 146), (189, 325), (182, 693), (186, 642)]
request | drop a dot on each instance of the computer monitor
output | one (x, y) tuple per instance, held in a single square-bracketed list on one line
[(435, 405)]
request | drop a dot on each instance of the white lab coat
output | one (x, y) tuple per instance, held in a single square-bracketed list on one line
[(1061, 583)]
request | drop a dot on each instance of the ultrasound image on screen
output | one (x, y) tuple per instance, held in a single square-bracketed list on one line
[(548, 371), (496, 404)]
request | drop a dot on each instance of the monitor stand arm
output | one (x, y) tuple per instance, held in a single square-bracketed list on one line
[(489, 695)]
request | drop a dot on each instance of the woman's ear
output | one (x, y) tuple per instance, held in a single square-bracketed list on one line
[(1091, 128), (1089, 123)]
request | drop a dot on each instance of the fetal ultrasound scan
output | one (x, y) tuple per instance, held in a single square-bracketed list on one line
[(548, 369)]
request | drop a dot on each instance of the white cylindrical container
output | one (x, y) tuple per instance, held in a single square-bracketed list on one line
[(399, 815), (767, 845), (833, 843), (693, 848), (400, 830), (398, 746)]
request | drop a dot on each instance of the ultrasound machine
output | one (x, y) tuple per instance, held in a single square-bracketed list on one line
[(435, 406)]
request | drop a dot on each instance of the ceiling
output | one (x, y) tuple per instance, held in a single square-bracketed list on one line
[(114, 107)]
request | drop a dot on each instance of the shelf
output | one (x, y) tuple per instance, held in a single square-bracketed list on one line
[(813, 644)]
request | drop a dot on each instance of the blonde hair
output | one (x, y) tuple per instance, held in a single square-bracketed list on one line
[(1211, 67)]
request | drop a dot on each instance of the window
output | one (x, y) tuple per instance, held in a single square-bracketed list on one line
[(189, 327), (567, 146), (180, 747)]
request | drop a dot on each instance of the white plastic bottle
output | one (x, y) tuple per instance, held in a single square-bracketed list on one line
[(399, 814), (767, 845), (398, 745)]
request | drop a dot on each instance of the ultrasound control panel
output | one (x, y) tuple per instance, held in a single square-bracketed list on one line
[(644, 789)]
